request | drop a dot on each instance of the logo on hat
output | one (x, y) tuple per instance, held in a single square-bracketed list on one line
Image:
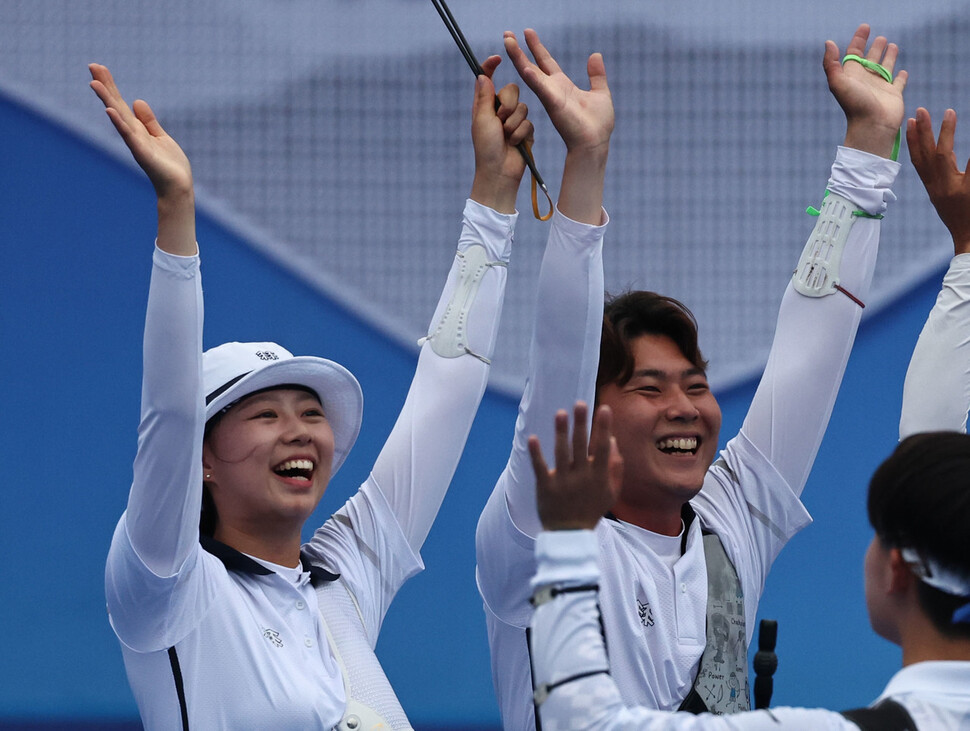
[(266, 355)]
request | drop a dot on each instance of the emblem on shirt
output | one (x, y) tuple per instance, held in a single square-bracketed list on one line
[(646, 614), (273, 636)]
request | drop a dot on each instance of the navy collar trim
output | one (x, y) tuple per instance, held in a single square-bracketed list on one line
[(233, 560)]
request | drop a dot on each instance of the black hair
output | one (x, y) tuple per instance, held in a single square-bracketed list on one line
[(635, 313), (919, 498)]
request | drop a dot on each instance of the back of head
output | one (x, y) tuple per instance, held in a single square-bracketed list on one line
[(919, 499), (632, 314)]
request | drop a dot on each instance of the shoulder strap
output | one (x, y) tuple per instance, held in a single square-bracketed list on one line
[(721, 685), (371, 701), (886, 715)]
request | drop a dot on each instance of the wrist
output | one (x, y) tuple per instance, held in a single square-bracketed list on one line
[(589, 155), (176, 223), (176, 197), (497, 192), (875, 139)]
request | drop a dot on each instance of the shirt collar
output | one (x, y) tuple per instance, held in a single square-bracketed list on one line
[(934, 676), (687, 514), (233, 560)]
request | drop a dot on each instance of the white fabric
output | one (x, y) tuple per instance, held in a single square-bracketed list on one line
[(567, 642), (654, 617), (251, 647), (941, 358)]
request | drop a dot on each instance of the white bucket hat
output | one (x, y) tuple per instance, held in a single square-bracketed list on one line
[(233, 370)]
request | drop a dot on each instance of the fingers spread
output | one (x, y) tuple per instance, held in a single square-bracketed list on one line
[(919, 137), (538, 461), (900, 80), (831, 61), (596, 70), (944, 146), (889, 58), (543, 58), (515, 53), (877, 49), (562, 449), (601, 437), (857, 45)]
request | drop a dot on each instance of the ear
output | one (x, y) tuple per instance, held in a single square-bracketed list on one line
[(206, 462), (902, 578)]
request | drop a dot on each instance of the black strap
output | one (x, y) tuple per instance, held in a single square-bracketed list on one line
[(173, 659), (532, 677), (886, 715), (693, 703)]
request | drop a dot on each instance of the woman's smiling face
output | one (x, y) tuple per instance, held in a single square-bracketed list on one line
[(268, 460)]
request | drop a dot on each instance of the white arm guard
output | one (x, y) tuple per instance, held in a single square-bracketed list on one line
[(817, 273), (450, 337)]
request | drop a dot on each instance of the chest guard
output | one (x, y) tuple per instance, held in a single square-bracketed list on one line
[(721, 685), (371, 702)]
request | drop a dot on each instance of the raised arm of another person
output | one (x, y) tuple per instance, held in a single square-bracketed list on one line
[(816, 329), (161, 523), (569, 304), (936, 393), (396, 506), (563, 359), (763, 470)]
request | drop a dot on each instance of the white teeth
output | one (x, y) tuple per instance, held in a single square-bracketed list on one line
[(684, 444), (295, 464)]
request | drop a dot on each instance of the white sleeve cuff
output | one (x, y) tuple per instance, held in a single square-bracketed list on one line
[(578, 229), (864, 178), (489, 228), (566, 557), (187, 265)]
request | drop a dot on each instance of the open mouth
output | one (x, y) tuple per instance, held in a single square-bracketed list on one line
[(297, 469), (678, 445)]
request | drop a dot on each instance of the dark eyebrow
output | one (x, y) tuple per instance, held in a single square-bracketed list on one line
[(663, 375)]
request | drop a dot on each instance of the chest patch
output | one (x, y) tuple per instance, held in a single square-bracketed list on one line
[(273, 636), (645, 612)]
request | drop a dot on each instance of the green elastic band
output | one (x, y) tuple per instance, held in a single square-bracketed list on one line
[(884, 73), (813, 211), (871, 65)]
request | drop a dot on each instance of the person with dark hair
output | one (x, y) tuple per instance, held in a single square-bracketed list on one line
[(229, 621), (917, 567), (917, 590), (690, 540)]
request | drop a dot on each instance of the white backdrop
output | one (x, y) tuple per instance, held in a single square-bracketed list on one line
[(334, 133)]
